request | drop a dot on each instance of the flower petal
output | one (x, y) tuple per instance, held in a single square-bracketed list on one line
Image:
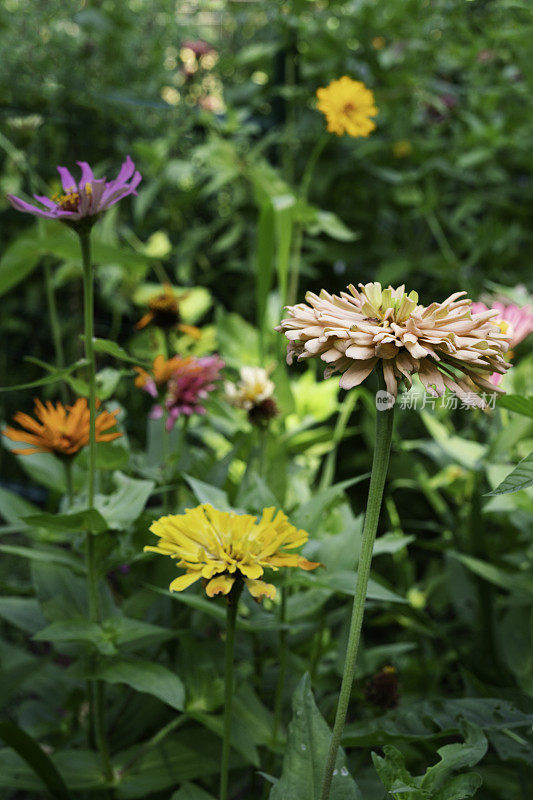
[(222, 584), (259, 589)]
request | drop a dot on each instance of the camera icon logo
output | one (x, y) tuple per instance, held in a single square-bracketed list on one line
[(384, 400)]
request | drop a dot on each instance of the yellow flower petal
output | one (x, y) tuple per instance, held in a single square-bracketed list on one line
[(259, 589), (178, 584), (222, 584)]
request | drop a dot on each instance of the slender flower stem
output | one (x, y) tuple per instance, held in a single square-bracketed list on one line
[(68, 481), (283, 653), (384, 421), (54, 325), (97, 700), (165, 455), (231, 620), (328, 470)]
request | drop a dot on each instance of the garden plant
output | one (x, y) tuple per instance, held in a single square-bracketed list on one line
[(270, 318)]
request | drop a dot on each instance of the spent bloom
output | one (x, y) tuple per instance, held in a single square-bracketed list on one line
[(222, 547), (253, 393), (87, 198), (164, 313), (516, 322), (444, 343), (348, 106), (60, 429)]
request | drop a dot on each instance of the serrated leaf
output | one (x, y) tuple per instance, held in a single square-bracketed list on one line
[(306, 750), (520, 478)]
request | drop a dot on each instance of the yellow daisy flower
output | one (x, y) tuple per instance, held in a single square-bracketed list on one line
[(348, 106), (224, 547)]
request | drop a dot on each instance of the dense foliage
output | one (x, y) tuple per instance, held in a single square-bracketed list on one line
[(245, 203)]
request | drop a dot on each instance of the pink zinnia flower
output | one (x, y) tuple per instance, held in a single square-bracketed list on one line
[(190, 383), (87, 198), (515, 321)]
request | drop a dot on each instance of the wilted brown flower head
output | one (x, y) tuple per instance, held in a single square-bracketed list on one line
[(444, 343)]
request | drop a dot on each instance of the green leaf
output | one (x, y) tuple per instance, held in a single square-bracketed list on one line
[(23, 612), (76, 629), (113, 349), (33, 754), (54, 376), (18, 261), (80, 770), (395, 776), (13, 507), (190, 792), (512, 581), (518, 403), (124, 506), (264, 263), (88, 521), (391, 543), (520, 478), (329, 223), (459, 787), (454, 757), (145, 676), (43, 468), (305, 754), (205, 493), (48, 556)]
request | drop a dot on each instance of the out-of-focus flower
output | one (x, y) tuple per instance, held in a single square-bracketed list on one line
[(190, 383), (224, 547), (59, 429), (445, 344), (402, 148), (156, 382), (87, 198), (165, 313), (212, 103), (485, 55), (382, 688), (378, 42), (253, 393), (198, 47), (512, 320), (348, 106)]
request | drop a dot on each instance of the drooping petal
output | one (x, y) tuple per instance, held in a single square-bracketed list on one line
[(259, 589), (222, 584)]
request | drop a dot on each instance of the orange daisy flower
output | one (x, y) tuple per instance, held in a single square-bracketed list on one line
[(60, 429), (162, 370)]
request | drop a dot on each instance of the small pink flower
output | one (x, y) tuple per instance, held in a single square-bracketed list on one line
[(87, 198), (516, 321), (188, 386)]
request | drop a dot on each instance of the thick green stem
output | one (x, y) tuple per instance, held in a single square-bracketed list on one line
[(55, 327), (384, 421), (283, 654), (231, 620), (95, 614)]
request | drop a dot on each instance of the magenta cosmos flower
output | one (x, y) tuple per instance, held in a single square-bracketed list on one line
[(87, 198), (189, 384), (511, 319)]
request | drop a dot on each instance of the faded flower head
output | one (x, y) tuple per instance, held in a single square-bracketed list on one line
[(59, 429), (348, 106), (444, 343), (222, 547), (86, 198), (512, 320), (253, 387), (164, 313)]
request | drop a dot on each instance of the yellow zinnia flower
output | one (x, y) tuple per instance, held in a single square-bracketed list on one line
[(60, 429), (348, 106), (223, 547)]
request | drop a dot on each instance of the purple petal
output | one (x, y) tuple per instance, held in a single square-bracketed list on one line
[(46, 201), (126, 171), (27, 208), (69, 184), (86, 173)]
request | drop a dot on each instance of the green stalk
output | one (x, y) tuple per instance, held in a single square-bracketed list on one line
[(68, 481), (165, 452), (328, 471), (55, 326), (283, 654), (95, 612), (384, 421), (231, 620)]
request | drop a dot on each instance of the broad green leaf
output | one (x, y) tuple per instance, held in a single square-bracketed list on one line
[(395, 776), (521, 582), (518, 403), (391, 543), (33, 754), (80, 770), (43, 468), (238, 340), (520, 478), (190, 792), (123, 507), (76, 629), (205, 493), (45, 555), (19, 259), (23, 612), (89, 520), (459, 787), (343, 581), (13, 507), (454, 757), (307, 746), (133, 633), (113, 349), (145, 676), (433, 719)]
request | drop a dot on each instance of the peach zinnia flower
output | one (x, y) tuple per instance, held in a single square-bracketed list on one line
[(348, 106), (445, 344), (59, 429)]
